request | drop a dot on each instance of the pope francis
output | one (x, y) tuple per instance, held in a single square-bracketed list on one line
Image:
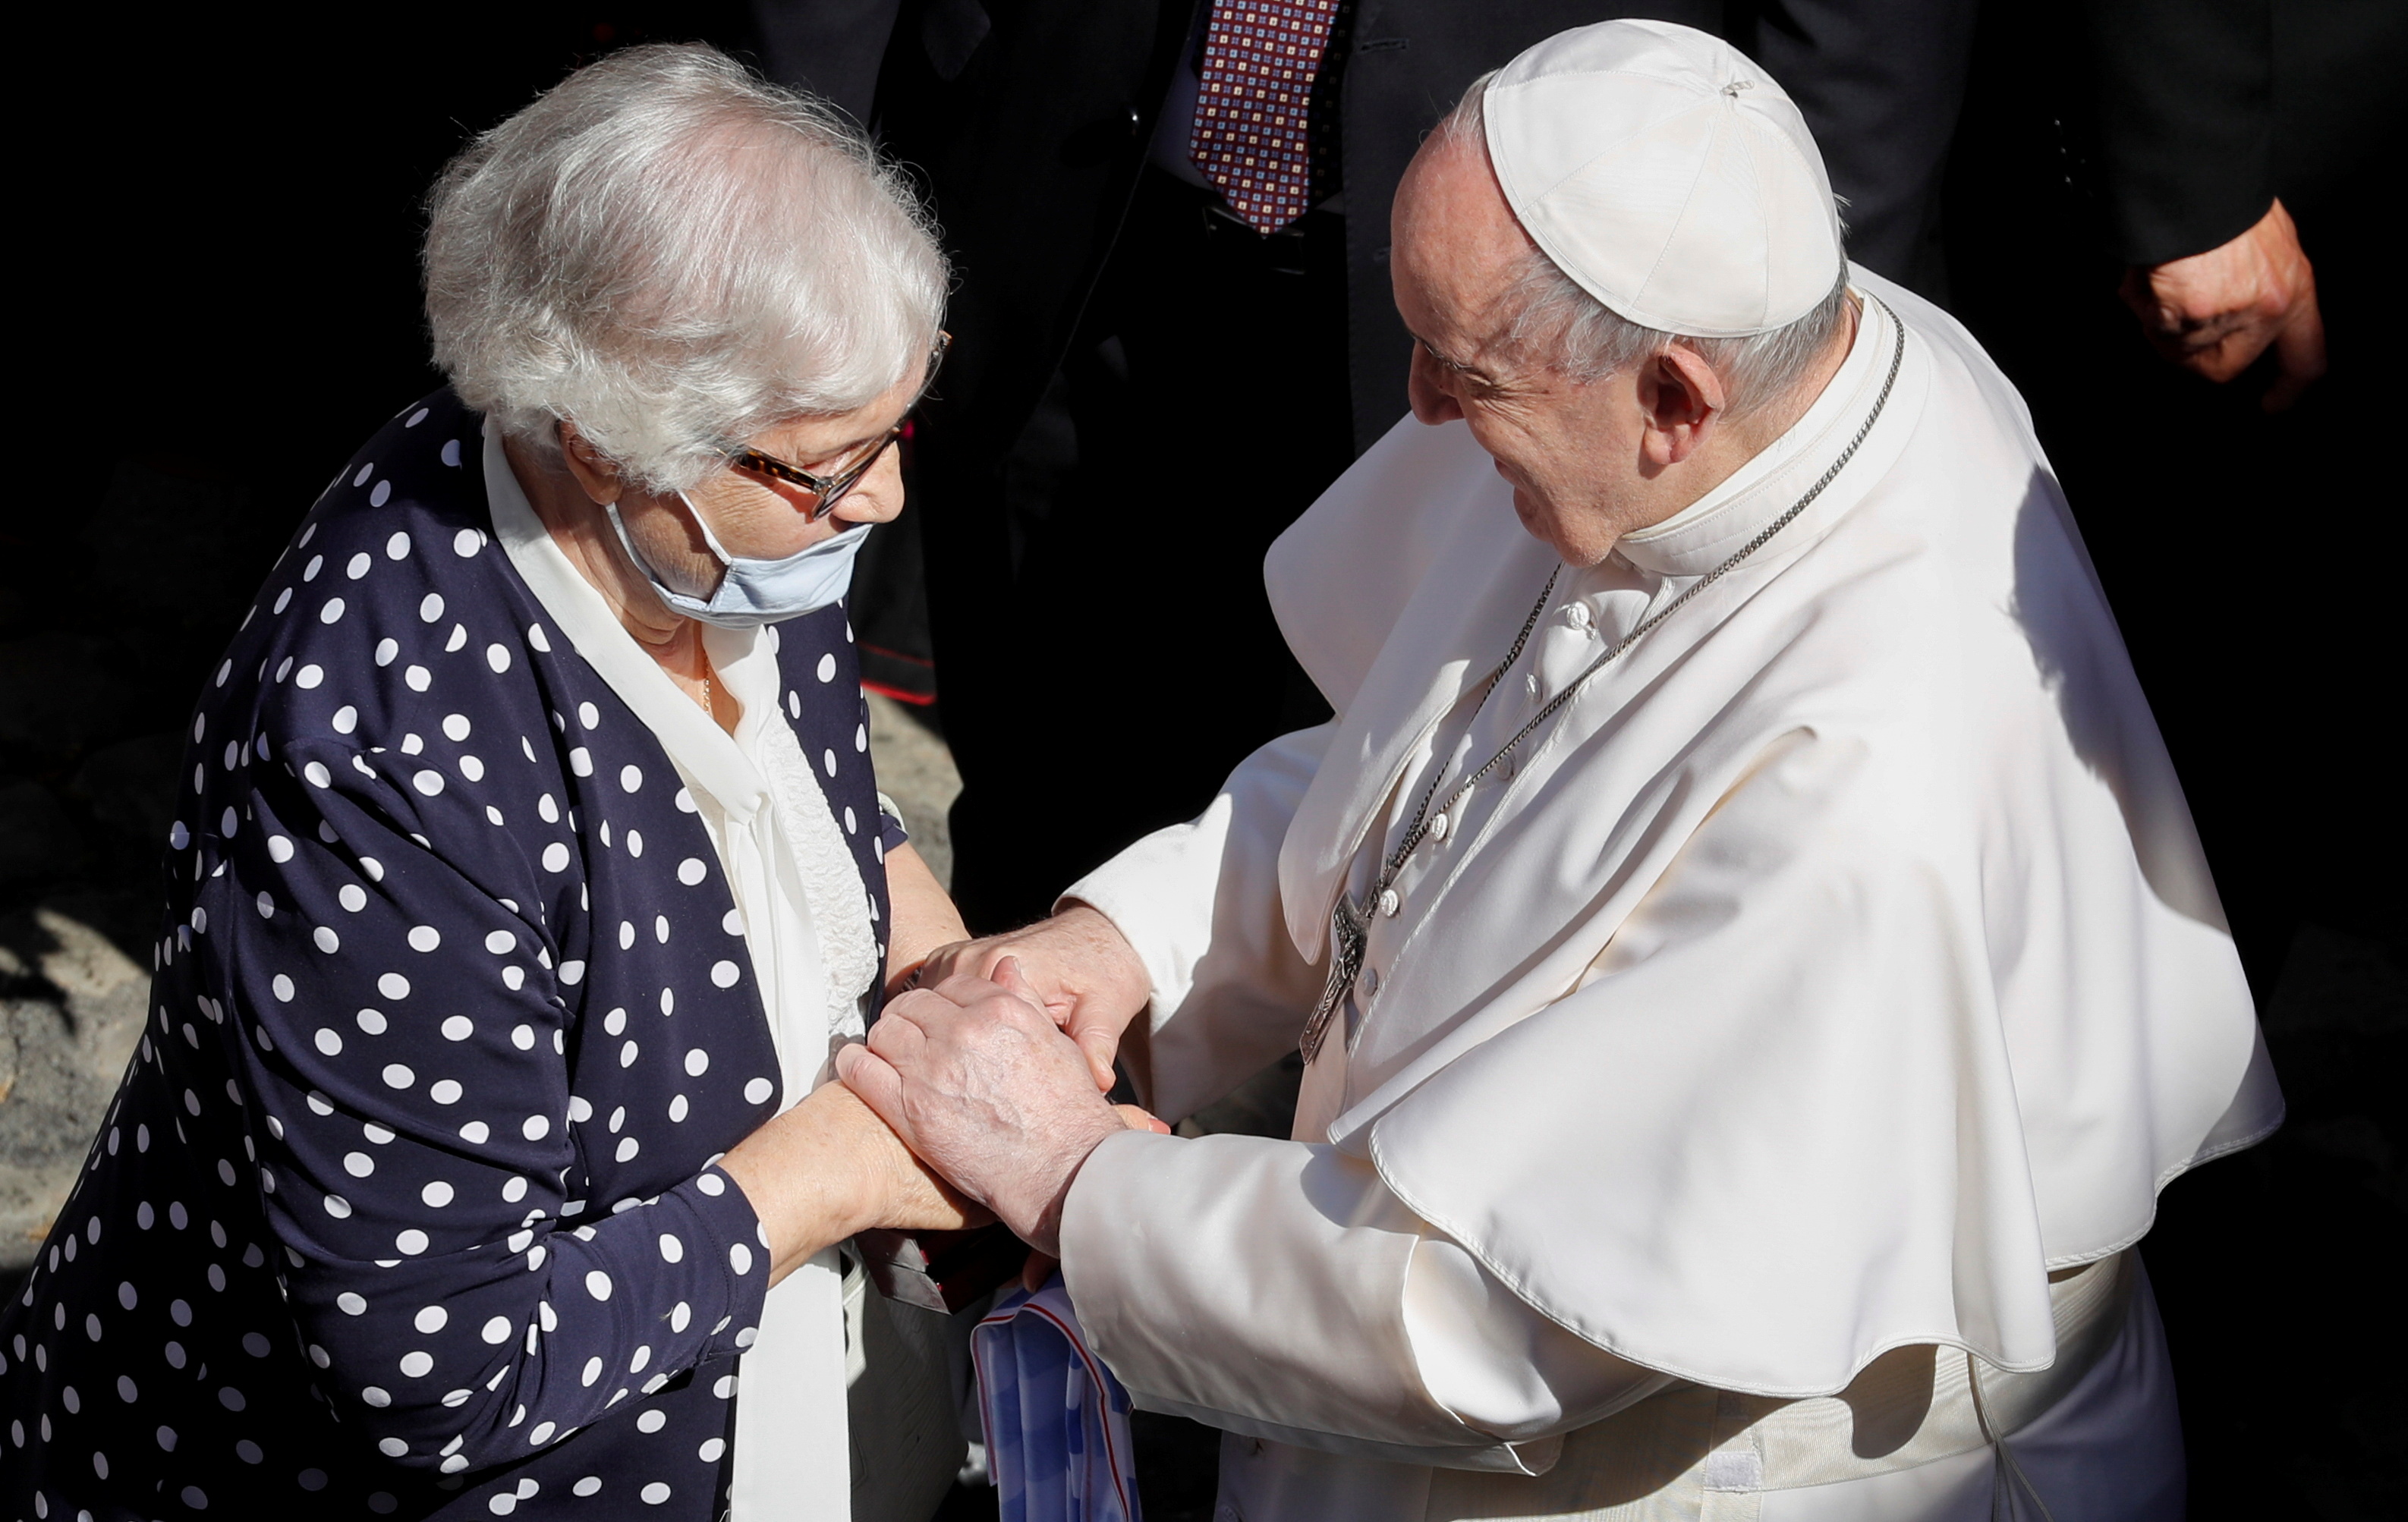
[(1754, 961)]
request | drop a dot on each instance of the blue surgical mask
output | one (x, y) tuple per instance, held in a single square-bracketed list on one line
[(752, 592)]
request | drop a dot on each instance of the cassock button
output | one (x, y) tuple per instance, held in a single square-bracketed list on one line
[(1438, 828), (1388, 901), (1577, 614), (1370, 981)]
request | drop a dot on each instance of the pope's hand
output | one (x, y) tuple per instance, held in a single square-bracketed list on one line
[(976, 1079), (2213, 313), (1041, 1266), (1077, 966)]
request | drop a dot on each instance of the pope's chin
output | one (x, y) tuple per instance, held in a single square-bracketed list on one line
[(1528, 505), (1545, 522)]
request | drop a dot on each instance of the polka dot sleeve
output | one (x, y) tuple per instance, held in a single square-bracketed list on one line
[(407, 1055)]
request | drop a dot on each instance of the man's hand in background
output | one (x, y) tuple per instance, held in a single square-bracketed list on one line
[(2213, 313)]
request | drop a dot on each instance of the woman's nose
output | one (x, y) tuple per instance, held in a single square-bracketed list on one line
[(878, 496)]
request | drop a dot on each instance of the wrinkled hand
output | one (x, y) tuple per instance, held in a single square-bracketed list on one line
[(2214, 313), (829, 1167), (1079, 968), (1041, 1266), (975, 1077)]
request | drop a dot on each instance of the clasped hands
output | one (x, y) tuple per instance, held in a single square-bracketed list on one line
[(978, 1097), (993, 1070)]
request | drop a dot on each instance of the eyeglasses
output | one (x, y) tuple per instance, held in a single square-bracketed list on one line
[(826, 491)]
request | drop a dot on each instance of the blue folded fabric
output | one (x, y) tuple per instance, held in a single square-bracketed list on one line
[(1057, 1428)]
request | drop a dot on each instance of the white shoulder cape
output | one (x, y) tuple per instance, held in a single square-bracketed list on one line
[(1841, 961)]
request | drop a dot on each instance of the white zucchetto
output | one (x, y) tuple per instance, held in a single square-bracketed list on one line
[(1668, 176)]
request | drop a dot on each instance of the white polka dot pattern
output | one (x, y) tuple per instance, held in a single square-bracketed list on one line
[(446, 1025)]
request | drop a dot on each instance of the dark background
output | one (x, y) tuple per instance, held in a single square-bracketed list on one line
[(218, 300), (223, 240)]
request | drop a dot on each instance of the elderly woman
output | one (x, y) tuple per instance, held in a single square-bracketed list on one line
[(529, 868)]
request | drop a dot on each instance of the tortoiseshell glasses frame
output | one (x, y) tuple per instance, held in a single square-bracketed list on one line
[(826, 491)]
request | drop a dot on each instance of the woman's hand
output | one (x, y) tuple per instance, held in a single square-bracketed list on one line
[(1077, 964), (828, 1168)]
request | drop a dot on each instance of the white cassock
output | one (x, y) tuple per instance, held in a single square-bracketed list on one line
[(1800, 1025)]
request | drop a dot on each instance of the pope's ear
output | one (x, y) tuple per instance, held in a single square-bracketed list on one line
[(596, 473), (1681, 397)]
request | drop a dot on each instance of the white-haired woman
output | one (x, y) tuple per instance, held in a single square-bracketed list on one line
[(529, 868)]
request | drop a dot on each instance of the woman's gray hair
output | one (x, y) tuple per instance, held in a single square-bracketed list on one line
[(675, 255), (1560, 325)]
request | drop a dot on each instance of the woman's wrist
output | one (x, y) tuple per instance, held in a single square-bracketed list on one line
[(808, 1180), (924, 917), (904, 975)]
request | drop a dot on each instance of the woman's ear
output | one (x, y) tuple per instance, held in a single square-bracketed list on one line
[(597, 473)]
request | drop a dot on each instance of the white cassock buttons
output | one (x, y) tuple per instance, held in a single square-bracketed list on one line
[(1577, 616), (1437, 827), (1370, 982), (1389, 903)]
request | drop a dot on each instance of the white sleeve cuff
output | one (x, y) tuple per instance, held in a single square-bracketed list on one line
[(1277, 1289), (1494, 1363)]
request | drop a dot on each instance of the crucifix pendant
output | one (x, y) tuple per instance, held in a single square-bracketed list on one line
[(1349, 929)]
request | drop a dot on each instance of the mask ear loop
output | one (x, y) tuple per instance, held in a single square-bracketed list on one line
[(652, 573), (707, 537), (619, 526)]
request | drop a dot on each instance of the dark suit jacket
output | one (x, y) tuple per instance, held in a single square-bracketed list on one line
[(2205, 110), (2184, 95)]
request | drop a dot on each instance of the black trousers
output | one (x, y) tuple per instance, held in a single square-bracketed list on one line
[(1104, 681)]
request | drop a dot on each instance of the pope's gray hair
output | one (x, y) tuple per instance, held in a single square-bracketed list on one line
[(1557, 323), (675, 254)]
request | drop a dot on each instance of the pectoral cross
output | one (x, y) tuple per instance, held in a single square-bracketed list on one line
[(1349, 930)]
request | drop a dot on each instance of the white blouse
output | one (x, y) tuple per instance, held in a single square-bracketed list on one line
[(807, 926)]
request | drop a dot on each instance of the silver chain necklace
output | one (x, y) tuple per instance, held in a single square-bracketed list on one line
[(1350, 925)]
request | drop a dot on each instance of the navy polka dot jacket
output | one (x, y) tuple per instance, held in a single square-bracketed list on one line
[(406, 1205)]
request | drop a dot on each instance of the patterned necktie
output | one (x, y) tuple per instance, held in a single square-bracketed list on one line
[(1260, 57)]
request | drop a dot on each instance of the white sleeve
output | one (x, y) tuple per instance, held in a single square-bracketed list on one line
[(1201, 902), (1277, 1289)]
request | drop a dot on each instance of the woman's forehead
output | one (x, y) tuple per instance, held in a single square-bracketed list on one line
[(831, 432)]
